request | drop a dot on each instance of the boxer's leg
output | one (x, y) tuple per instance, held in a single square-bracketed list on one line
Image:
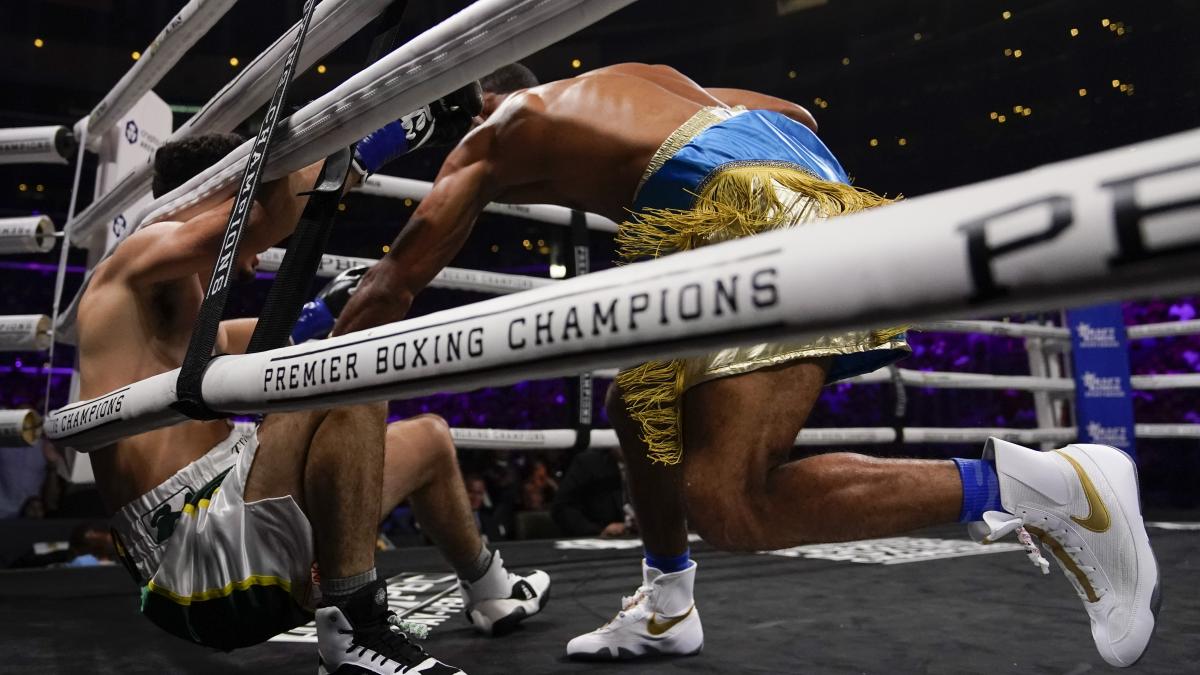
[(324, 459), (660, 617), (420, 464), (743, 493), (656, 490)]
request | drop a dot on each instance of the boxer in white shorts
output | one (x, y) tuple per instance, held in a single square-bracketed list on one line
[(219, 524)]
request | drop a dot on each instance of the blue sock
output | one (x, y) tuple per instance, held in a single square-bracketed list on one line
[(666, 565), (981, 488)]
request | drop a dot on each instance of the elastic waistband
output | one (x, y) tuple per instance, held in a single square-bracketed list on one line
[(693, 127)]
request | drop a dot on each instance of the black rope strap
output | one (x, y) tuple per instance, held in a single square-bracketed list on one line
[(286, 297), (580, 386), (900, 407), (311, 236), (204, 335)]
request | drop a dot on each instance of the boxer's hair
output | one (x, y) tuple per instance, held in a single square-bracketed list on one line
[(178, 161), (510, 78)]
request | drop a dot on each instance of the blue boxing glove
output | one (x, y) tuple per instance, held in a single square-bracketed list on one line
[(441, 123), (318, 316)]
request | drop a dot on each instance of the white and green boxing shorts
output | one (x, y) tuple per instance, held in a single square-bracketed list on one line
[(212, 568)]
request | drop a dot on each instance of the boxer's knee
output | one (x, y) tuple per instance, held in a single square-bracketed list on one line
[(731, 504), (722, 512), (425, 438)]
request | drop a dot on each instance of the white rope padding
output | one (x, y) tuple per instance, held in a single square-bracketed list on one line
[(1180, 381), (1168, 430), (24, 332), (20, 426), (1168, 329), (563, 439), (407, 188), (450, 278), (464, 47), (1002, 328), (333, 22), (27, 234), (785, 285), (951, 380), (32, 145), (187, 27)]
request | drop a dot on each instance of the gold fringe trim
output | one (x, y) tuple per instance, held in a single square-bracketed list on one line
[(739, 200)]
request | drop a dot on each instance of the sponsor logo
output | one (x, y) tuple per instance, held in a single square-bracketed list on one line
[(894, 550), (119, 225), (1097, 519), (1091, 337), (654, 627), (1095, 386), (405, 592), (161, 519), (1118, 437), (131, 132)]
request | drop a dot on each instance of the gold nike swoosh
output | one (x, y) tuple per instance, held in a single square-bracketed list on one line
[(657, 628), (1097, 519)]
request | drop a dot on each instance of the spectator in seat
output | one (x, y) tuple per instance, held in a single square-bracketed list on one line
[(591, 500)]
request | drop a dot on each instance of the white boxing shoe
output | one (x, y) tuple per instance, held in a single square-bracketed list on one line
[(499, 600), (1081, 502), (659, 619)]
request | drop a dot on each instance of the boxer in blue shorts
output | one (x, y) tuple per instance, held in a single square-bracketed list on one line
[(707, 440)]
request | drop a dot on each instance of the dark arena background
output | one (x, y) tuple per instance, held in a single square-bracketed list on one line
[(913, 97)]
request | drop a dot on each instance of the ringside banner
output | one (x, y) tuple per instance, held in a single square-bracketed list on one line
[(1103, 397)]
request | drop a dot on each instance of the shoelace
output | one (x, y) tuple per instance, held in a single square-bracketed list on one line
[(387, 643), (998, 524), (1087, 571), (1032, 550), (629, 602)]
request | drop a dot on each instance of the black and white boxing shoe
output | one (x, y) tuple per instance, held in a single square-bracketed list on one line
[(363, 636), (499, 600)]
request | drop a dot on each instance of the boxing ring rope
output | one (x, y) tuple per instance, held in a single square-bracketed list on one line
[(952, 380), (183, 31), (21, 427), (564, 439), (333, 22), (24, 333), (463, 48), (1068, 233), (1167, 329), (36, 145), (27, 234), (450, 278), (408, 188)]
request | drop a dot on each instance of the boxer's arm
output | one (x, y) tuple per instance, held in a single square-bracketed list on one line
[(433, 236), (233, 335), (757, 101)]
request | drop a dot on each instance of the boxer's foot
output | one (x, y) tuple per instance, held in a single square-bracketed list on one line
[(363, 636), (1082, 503), (660, 618), (499, 600)]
